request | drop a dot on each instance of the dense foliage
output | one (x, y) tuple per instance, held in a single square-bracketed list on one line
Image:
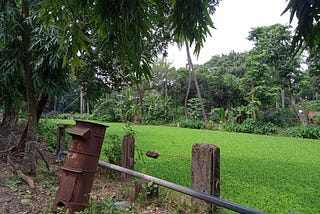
[(107, 44)]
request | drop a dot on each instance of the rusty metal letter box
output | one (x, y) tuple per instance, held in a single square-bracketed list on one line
[(80, 166)]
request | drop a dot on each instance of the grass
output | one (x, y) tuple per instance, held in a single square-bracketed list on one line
[(271, 174)]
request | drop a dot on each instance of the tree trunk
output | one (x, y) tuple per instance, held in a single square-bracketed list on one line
[(283, 103), (41, 103), (30, 148), (42, 99), (295, 109), (186, 112), (254, 112), (305, 113), (302, 117), (166, 83), (191, 69), (55, 102), (81, 101), (313, 88)]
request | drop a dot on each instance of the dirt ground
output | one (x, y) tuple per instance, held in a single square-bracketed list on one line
[(17, 197)]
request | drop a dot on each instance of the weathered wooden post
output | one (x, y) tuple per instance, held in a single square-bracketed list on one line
[(206, 172), (61, 141), (127, 154)]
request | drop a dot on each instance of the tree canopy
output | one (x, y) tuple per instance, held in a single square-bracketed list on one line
[(114, 41), (131, 33), (308, 29)]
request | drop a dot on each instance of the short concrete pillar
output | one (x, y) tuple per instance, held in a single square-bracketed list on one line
[(206, 172), (127, 154), (61, 141)]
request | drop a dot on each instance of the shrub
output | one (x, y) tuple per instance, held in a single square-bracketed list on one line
[(65, 116), (250, 126), (312, 105), (85, 116), (107, 111), (157, 110), (217, 115), (311, 132), (266, 128), (192, 124), (246, 127), (315, 118), (194, 108), (48, 130), (280, 117), (113, 150)]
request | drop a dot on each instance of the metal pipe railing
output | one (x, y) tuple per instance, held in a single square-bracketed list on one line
[(188, 191)]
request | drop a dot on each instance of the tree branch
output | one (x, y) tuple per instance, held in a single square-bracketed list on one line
[(27, 179)]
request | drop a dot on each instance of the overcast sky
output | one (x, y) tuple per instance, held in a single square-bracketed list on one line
[(233, 20)]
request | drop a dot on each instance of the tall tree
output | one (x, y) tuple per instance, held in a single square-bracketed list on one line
[(259, 84), (273, 44), (11, 80), (222, 78), (193, 76), (130, 33), (314, 72), (35, 59), (162, 76)]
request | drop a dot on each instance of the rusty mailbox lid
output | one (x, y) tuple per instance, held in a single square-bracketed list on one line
[(84, 129), (80, 132), (88, 137)]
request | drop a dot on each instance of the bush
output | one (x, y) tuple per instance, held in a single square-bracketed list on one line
[(246, 127), (280, 117), (157, 110), (311, 132), (113, 150), (217, 115), (68, 116), (84, 116), (250, 126), (313, 105), (266, 128), (48, 130), (192, 124), (107, 111)]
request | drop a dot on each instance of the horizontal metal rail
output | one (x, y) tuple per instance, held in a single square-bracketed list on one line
[(188, 191)]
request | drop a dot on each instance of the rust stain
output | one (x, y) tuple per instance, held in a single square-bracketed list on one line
[(80, 167)]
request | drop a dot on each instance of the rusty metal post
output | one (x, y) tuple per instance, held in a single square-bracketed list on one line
[(80, 167)]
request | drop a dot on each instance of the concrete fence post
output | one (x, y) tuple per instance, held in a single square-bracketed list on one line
[(61, 141), (206, 172), (127, 154)]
